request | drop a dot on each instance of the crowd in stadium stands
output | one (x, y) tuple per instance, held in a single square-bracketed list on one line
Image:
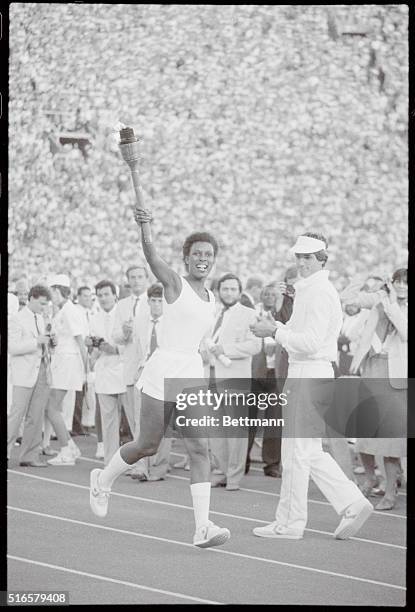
[(256, 123)]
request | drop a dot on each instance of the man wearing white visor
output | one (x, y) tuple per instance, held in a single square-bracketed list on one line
[(310, 338)]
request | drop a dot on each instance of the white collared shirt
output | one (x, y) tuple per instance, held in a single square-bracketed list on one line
[(109, 369), (86, 315), (316, 320)]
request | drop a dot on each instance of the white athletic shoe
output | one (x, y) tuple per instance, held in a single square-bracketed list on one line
[(274, 530), (183, 464), (98, 497), (75, 450), (62, 459), (211, 535), (354, 517), (100, 450)]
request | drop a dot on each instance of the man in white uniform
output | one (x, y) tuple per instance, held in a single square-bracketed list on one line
[(310, 338)]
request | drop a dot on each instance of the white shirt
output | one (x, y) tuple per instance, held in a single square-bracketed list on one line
[(67, 323), (86, 315), (150, 331), (12, 304), (109, 369), (316, 321)]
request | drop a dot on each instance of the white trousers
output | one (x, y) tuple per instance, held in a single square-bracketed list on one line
[(303, 458), (110, 405)]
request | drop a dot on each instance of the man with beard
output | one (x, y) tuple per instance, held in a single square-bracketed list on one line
[(233, 339)]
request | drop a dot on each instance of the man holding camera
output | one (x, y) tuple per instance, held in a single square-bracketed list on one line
[(109, 369), (29, 346)]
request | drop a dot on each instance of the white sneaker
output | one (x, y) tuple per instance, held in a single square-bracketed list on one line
[(354, 517), (211, 535), (183, 464), (98, 497), (100, 450), (75, 450), (62, 459), (274, 530)]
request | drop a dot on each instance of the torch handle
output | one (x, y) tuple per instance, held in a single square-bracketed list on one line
[(145, 227)]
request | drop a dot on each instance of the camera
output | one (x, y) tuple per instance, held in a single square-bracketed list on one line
[(289, 291), (96, 341), (52, 337)]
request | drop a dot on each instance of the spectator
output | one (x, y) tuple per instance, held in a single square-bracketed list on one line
[(84, 299), (109, 371), (28, 346), (128, 309), (68, 365), (252, 294), (233, 339), (382, 355), (148, 330)]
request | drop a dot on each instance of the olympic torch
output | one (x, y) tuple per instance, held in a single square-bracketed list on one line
[(129, 150)]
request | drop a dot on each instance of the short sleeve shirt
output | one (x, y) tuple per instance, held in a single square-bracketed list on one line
[(67, 324)]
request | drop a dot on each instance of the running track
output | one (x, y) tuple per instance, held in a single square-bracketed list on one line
[(141, 553)]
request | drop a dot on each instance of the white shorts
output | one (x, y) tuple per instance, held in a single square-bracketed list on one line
[(67, 372)]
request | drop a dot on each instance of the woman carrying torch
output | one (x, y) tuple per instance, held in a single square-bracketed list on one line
[(188, 315)]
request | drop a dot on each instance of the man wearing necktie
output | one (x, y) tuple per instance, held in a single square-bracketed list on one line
[(28, 349), (129, 310), (233, 340)]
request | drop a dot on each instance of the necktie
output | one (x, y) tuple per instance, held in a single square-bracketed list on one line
[(153, 339), (44, 350), (135, 306), (219, 321)]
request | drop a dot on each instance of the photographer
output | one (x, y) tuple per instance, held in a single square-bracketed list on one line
[(381, 360), (29, 346), (109, 370)]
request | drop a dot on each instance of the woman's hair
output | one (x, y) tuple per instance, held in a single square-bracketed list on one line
[(199, 237), (400, 275), (64, 291)]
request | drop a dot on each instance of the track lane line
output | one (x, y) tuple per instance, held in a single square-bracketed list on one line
[(174, 505), (252, 468), (215, 550), (113, 580), (258, 491)]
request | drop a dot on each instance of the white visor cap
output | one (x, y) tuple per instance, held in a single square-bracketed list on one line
[(59, 279), (306, 244)]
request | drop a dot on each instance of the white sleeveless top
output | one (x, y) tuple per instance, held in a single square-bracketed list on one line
[(185, 323)]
